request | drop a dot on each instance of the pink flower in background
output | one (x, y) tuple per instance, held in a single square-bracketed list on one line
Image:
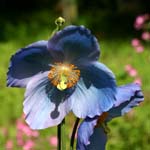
[(24, 135), (9, 145), (135, 42), (20, 142), (141, 20), (133, 72), (53, 140), (35, 133), (19, 138), (27, 131), (137, 45), (139, 49), (4, 131), (128, 67), (21, 126), (130, 70), (138, 81), (145, 36), (28, 145)]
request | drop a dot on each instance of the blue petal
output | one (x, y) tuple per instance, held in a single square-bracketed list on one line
[(44, 105), (90, 137), (74, 44), (97, 98), (99, 75), (27, 62), (127, 97)]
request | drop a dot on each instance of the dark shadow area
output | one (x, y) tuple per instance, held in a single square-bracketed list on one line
[(106, 18)]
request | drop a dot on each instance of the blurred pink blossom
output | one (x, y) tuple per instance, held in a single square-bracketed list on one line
[(53, 140), (27, 131), (140, 20), (145, 36), (19, 138), (138, 81), (4, 131), (133, 72), (35, 133), (135, 42), (128, 67), (19, 134), (130, 70), (28, 145), (139, 49), (20, 142), (9, 145), (21, 126)]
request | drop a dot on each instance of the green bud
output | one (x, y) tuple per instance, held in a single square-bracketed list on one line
[(59, 21)]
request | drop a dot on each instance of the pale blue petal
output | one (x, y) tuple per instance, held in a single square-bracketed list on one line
[(93, 138), (96, 98), (44, 105), (127, 97), (28, 62), (92, 101)]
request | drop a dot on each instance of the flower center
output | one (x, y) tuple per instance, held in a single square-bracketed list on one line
[(64, 76)]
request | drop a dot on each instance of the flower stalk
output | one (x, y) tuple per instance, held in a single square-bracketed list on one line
[(73, 133), (59, 23), (61, 136)]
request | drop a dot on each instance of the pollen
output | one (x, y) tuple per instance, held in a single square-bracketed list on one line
[(64, 76)]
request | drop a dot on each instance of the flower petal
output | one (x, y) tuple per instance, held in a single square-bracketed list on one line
[(45, 105), (98, 75), (27, 62), (90, 137), (93, 138), (128, 96), (98, 96), (74, 44)]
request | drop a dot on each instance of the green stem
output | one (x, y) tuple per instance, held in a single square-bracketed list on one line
[(74, 133), (59, 23), (61, 136)]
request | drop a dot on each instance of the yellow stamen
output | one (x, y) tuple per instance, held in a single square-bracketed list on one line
[(63, 83), (64, 76)]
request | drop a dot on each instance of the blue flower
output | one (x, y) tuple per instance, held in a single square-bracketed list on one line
[(92, 134), (62, 75)]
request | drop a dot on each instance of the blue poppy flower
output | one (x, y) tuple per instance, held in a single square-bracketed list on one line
[(62, 75), (91, 134)]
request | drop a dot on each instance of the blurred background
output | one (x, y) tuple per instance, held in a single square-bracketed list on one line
[(123, 30)]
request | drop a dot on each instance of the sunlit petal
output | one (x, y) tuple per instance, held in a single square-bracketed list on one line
[(45, 105)]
